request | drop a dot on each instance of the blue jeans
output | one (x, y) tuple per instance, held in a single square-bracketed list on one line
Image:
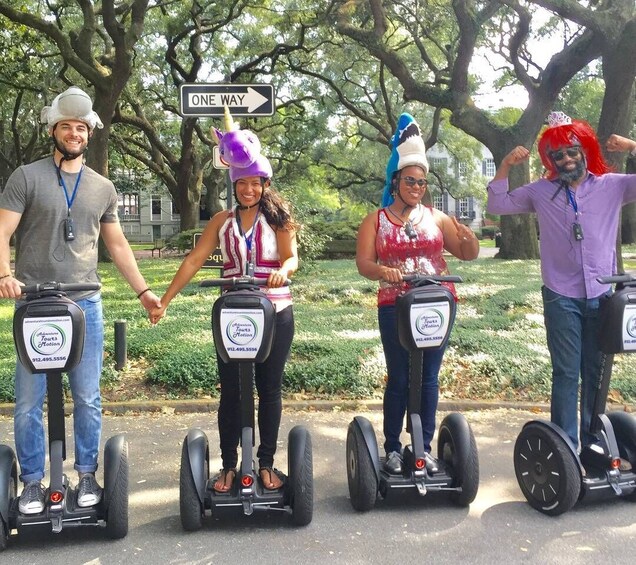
[(30, 390), (572, 333), (397, 387)]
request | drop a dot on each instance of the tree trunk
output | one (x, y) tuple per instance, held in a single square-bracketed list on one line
[(628, 219)]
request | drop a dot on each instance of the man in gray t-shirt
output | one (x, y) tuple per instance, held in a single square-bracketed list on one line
[(58, 207)]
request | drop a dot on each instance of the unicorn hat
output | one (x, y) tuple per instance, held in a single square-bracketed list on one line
[(407, 149), (241, 150)]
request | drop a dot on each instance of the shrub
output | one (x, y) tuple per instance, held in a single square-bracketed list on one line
[(182, 241), (336, 230), (190, 370)]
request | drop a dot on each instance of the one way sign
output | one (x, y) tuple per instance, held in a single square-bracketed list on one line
[(241, 99)]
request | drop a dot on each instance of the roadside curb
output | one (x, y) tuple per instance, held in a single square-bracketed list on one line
[(312, 405), (317, 405)]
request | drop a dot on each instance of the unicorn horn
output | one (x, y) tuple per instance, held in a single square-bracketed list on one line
[(230, 124)]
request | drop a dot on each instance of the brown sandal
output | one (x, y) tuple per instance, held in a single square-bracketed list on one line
[(270, 478), (224, 480)]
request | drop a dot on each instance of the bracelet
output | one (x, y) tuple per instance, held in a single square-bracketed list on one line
[(143, 292), (5, 276)]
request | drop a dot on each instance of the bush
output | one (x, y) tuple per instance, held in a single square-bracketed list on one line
[(188, 369), (334, 367), (489, 232), (336, 230), (183, 241)]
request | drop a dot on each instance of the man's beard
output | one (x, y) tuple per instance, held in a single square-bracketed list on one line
[(69, 155), (572, 175)]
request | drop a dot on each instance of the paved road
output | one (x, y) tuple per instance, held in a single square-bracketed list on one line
[(499, 526)]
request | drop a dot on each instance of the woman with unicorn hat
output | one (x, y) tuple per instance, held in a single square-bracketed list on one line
[(257, 238)]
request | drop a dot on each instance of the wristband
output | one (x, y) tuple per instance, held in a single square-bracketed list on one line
[(5, 276), (143, 292)]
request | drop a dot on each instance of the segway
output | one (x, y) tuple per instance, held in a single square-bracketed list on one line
[(243, 322), (552, 475), (49, 331), (425, 315)]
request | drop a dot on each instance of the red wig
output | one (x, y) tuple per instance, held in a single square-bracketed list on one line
[(580, 133)]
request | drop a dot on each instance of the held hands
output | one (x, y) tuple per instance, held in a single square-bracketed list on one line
[(149, 300), (155, 314), (617, 143)]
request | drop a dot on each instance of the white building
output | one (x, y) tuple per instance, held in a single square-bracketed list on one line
[(467, 209)]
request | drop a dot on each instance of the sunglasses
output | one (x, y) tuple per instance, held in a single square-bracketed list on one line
[(572, 152), (411, 182)]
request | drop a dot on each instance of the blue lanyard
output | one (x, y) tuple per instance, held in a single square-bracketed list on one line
[(573, 202), (248, 240), (69, 201)]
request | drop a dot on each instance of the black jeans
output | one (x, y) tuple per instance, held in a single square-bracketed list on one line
[(269, 380)]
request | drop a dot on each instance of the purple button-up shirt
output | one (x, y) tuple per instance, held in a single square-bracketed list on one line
[(570, 267)]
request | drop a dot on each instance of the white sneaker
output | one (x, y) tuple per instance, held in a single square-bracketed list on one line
[(32, 498), (89, 493)]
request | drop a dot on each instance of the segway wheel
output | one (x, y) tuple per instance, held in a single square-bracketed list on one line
[(300, 476), (457, 449), (7, 458), (546, 470), (4, 535), (190, 507), (363, 482), (117, 509), (624, 425)]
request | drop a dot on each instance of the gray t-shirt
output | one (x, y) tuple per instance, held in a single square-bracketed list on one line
[(42, 252)]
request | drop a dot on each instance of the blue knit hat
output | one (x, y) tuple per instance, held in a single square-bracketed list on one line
[(407, 148)]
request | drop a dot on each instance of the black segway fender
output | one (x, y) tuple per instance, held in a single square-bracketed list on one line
[(557, 430), (8, 473), (112, 460), (297, 442), (366, 429), (198, 456)]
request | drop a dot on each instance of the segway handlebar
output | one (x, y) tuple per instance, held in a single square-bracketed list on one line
[(59, 287), (617, 279), (238, 282), (420, 279)]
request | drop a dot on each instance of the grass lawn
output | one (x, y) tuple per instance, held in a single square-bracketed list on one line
[(497, 349)]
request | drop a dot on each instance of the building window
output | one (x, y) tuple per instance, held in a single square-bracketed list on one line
[(488, 168), (174, 215), (438, 202), (463, 208), (128, 206), (439, 164), (462, 169), (155, 208)]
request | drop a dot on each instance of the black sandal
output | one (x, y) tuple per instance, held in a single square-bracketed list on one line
[(223, 476), (271, 471)]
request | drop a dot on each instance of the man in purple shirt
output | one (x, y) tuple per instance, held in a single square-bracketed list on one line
[(578, 204)]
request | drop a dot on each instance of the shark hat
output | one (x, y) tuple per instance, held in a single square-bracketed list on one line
[(407, 149)]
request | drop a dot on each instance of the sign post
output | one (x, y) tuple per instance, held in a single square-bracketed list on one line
[(201, 99), (214, 260)]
